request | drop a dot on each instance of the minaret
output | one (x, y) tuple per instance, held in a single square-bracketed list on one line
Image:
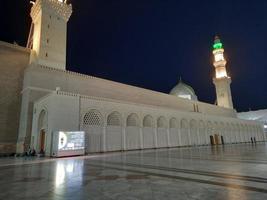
[(221, 81), (49, 32)]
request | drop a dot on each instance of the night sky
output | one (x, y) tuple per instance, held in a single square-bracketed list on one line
[(151, 43)]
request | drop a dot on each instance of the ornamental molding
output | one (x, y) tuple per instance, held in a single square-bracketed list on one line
[(61, 9)]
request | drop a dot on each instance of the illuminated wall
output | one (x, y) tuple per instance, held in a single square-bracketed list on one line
[(50, 19)]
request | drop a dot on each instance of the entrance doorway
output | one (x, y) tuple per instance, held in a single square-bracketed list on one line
[(212, 142), (222, 140), (217, 139), (42, 140)]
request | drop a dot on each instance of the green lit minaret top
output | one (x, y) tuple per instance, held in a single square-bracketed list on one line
[(217, 43)]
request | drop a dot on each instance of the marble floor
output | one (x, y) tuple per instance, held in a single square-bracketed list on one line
[(224, 172)]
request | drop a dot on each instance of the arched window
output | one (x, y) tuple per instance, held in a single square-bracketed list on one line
[(215, 127), (221, 128), (93, 118), (132, 120), (148, 121), (201, 124), (209, 128), (173, 123), (193, 124), (184, 124), (161, 122), (114, 119)]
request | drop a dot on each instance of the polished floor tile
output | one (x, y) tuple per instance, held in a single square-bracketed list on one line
[(221, 172)]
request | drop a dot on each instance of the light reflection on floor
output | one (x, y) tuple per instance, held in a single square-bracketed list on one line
[(229, 172)]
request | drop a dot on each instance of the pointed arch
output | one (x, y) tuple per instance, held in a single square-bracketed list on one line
[(148, 121), (132, 120), (162, 122), (173, 123), (114, 119), (93, 118)]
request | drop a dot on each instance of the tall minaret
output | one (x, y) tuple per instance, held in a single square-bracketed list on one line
[(48, 33), (221, 81)]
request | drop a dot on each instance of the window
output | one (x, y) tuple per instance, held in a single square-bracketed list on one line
[(114, 119), (148, 121), (93, 118), (132, 120)]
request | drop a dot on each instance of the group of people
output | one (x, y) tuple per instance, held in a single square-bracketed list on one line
[(32, 152), (253, 140)]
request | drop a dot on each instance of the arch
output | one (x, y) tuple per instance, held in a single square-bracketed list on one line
[(237, 133), (250, 131), (161, 122), (260, 133), (209, 128), (162, 133), (173, 123), (227, 133), (174, 135), (42, 120), (148, 132), (222, 132), (132, 132), (215, 127), (233, 135), (42, 128), (243, 133), (93, 118), (132, 120), (193, 132), (148, 121), (184, 123), (202, 132), (114, 132), (114, 119), (92, 124), (184, 132), (246, 132), (254, 131)]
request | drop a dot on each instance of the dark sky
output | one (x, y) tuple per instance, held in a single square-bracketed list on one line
[(151, 43)]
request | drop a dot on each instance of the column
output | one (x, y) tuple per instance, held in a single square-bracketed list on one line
[(104, 131), (168, 137), (141, 137), (124, 138), (155, 138)]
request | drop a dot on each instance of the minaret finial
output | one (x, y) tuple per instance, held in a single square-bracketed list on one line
[(217, 43)]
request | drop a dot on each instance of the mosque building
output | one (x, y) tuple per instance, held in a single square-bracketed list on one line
[(39, 96)]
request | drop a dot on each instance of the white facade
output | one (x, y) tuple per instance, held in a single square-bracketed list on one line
[(112, 125), (255, 115), (114, 116)]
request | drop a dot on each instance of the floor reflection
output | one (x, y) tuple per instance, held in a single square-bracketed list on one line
[(69, 171), (222, 172)]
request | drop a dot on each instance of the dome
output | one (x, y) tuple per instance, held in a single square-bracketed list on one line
[(184, 91)]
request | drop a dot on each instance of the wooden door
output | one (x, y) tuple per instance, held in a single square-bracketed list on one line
[(42, 140)]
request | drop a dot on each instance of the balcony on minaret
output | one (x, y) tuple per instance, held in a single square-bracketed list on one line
[(219, 61), (221, 72)]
